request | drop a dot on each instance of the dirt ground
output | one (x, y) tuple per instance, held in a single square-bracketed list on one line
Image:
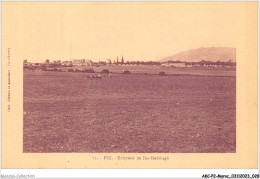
[(66, 112)]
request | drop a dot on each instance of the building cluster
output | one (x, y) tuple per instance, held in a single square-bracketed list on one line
[(85, 62), (202, 63), (71, 63)]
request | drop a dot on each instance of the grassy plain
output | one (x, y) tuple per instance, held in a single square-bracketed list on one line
[(66, 112)]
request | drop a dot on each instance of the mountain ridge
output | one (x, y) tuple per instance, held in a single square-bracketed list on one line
[(204, 53)]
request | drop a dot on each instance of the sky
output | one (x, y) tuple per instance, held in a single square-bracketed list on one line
[(104, 30)]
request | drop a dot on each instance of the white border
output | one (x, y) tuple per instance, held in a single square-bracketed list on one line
[(127, 173)]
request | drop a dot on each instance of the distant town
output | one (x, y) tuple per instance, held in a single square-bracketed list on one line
[(84, 62)]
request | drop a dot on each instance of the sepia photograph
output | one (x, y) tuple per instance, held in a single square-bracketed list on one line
[(129, 82), (129, 85)]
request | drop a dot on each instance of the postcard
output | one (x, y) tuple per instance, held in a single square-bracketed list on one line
[(129, 85)]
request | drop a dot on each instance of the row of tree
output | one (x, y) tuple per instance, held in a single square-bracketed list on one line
[(210, 63)]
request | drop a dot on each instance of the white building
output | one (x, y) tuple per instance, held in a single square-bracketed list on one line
[(178, 64), (79, 62), (174, 64)]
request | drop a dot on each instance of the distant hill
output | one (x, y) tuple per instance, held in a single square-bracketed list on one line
[(208, 54)]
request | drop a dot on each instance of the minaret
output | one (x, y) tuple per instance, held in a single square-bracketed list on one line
[(117, 60), (122, 60)]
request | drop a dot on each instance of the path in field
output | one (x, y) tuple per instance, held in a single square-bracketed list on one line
[(66, 112)]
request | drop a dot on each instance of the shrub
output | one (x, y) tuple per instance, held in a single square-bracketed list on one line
[(88, 71), (162, 73), (70, 70), (126, 72), (105, 71), (77, 70)]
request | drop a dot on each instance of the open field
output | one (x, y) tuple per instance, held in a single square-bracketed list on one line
[(66, 112), (139, 69)]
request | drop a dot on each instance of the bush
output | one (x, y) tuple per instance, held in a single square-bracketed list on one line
[(105, 71), (70, 70), (126, 72), (88, 71), (77, 70), (162, 73)]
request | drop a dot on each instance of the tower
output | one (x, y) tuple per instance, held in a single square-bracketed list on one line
[(122, 61)]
